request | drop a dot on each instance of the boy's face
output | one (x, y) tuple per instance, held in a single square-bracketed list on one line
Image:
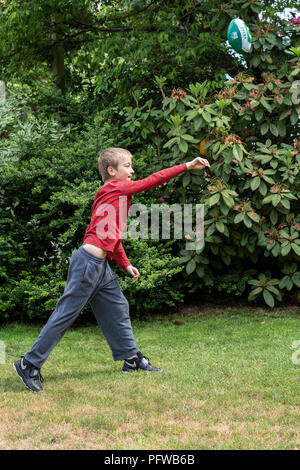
[(124, 169)]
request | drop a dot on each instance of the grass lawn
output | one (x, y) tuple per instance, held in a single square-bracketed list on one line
[(229, 382)]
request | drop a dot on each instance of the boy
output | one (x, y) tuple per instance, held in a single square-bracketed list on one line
[(90, 277)]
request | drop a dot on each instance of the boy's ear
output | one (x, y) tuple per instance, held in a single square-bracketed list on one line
[(111, 171)]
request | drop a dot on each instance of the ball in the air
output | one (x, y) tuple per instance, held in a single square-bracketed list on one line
[(239, 36)]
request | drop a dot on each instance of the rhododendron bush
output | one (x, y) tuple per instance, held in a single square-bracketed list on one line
[(249, 132)]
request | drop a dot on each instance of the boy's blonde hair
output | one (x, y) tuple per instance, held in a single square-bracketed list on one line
[(110, 157)]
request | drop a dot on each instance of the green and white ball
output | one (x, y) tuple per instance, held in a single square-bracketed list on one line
[(239, 36)]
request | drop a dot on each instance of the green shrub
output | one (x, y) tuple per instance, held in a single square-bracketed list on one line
[(48, 180), (251, 197)]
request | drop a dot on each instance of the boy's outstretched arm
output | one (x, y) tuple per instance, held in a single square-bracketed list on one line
[(161, 177), (154, 180)]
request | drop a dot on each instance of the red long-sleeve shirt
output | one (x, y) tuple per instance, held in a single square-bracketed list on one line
[(108, 219)]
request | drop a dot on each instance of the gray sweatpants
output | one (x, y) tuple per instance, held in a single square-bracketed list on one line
[(90, 279)]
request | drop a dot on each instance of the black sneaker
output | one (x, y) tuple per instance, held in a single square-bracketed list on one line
[(139, 362), (29, 374)]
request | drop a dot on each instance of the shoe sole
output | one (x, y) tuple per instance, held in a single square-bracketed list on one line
[(136, 370), (28, 388)]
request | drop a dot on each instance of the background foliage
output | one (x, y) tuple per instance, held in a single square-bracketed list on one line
[(152, 77)]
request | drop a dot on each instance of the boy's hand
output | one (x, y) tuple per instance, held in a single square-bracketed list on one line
[(198, 164), (134, 272)]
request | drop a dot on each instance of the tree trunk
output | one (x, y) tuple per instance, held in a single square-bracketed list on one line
[(58, 56), (2, 92)]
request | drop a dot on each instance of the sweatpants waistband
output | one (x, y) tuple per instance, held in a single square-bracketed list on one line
[(86, 253)]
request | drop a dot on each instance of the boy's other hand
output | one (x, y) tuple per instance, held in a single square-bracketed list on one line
[(198, 164), (134, 272)]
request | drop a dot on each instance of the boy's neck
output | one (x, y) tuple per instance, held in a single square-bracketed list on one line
[(111, 179)]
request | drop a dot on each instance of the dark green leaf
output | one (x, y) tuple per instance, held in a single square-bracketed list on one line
[(274, 130), (269, 299), (191, 266), (264, 128)]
